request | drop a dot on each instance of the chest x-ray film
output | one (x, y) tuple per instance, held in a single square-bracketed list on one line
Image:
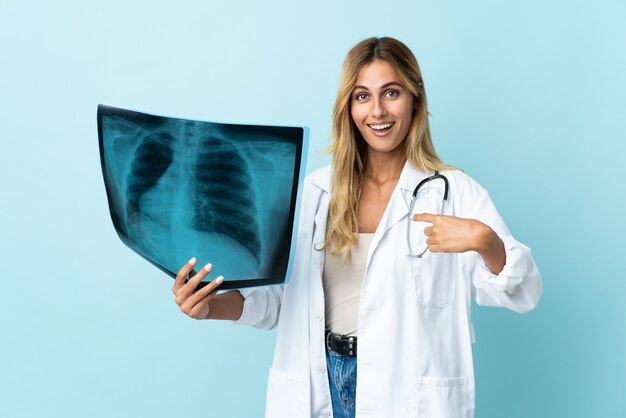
[(224, 193)]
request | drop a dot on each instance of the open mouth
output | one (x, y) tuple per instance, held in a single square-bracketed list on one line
[(381, 127)]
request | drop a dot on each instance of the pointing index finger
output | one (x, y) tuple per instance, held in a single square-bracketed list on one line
[(424, 217)]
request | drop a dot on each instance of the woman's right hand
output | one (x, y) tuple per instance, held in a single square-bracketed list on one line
[(195, 303)]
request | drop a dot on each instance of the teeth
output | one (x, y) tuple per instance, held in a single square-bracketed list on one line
[(380, 127)]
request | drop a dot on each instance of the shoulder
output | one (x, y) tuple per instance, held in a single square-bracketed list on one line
[(319, 178), (462, 183), (316, 185), (314, 196), (468, 197)]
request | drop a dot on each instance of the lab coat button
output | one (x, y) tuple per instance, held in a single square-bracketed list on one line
[(326, 413), (320, 369), (319, 317)]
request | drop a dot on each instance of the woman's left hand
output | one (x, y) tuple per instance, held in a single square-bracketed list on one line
[(449, 234)]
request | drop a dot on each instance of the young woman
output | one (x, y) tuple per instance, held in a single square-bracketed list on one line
[(375, 320)]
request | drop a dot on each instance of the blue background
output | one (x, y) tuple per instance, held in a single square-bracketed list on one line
[(526, 97)]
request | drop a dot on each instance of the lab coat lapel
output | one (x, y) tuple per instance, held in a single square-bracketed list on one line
[(320, 221), (398, 206), (321, 212), (322, 183)]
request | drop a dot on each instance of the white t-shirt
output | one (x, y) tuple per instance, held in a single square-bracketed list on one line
[(342, 287)]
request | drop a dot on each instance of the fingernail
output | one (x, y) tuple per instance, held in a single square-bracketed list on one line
[(219, 279), (208, 267), (193, 261)]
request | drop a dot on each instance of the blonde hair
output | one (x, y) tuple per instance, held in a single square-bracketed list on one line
[(348, 148)]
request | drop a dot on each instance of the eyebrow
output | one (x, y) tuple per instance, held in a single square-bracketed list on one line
[(384, 86)]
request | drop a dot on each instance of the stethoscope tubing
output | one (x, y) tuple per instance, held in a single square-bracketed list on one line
[(435, 176)]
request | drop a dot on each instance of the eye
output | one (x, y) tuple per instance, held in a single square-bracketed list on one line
[(360, 97), (392, 93)]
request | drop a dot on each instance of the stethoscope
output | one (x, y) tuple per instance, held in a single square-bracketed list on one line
[(414, 198)]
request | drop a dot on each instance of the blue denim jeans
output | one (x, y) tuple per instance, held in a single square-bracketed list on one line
[(342, 380)]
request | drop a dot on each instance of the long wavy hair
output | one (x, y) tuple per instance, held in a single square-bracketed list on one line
[(348, 148)]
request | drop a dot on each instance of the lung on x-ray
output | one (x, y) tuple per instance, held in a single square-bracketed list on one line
[(224, 193)]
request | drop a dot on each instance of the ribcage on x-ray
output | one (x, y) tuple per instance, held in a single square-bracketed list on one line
[(152, 159), (226, 200), (224, 193)]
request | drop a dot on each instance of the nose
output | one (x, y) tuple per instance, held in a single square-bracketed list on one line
[(378, 109)]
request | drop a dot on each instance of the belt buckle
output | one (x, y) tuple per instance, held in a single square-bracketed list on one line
[(327, 343), (329, 335), (347, 346)]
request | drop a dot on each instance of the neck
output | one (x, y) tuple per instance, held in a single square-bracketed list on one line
[(383, 167)]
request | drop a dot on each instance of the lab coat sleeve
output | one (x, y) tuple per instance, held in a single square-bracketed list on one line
[(261, 306), (518, 286)]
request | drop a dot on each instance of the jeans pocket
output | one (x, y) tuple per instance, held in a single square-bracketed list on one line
[(435, 279), (442, 397)]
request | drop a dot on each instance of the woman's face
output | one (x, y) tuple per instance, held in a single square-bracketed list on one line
[(381, 108)]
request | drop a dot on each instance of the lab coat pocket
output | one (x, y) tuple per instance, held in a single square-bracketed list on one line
[(435, 279), (286, 395), (442, 398)]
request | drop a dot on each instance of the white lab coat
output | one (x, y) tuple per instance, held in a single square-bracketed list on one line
[(414, 326)]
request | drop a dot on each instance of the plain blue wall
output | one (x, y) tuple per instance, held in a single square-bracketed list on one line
[(527, 97)]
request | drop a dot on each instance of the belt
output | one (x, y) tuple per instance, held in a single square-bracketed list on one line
[(341, 344)]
